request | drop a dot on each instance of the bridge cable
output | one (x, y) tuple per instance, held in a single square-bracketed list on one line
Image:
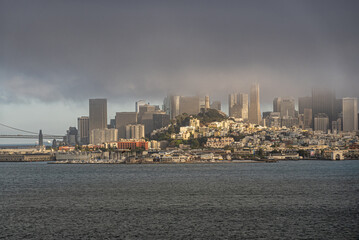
[(18, 129)]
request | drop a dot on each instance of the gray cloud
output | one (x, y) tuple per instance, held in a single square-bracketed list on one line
[(61, 50)]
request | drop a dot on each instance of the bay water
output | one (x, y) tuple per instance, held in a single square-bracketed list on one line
[(284, 200)]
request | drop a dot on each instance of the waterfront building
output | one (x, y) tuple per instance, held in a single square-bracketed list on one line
[(97, 114), (254, 105), (135, 131), (123, 119), (350, 114), (83, 129), (132, 144), (153, 144)]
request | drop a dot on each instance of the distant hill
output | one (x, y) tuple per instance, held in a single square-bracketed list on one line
[(207, 116)]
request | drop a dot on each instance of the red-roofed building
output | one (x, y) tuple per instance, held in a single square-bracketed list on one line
[(132, 145)]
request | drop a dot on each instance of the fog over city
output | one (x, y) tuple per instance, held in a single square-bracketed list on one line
[(55, 55)]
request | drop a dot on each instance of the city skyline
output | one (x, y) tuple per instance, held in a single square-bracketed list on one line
[(111, 114)]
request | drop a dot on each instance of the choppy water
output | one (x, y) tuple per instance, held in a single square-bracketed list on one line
[(285, 200)]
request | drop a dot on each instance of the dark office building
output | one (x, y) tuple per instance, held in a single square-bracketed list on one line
[(323, 101), (98, 114), (123, 119), (160, 120), (303, 103)]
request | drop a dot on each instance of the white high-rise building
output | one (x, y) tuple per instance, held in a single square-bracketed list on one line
[(350, 114), (135, 131), (243, 103), (99, 136)]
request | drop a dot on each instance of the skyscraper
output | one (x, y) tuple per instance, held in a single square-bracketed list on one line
[(138, 104), (308, 119), (175, 106), (160, 120), (98, 114), (189, 105), (232, 100), (238, 105), (254, 105), (276, 104), (166, 107), (287, 107), (323, 101), (303, 103), (350, 114), (243, 103), (83, 129), (123, 119)]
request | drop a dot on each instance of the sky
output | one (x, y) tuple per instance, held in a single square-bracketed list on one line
[(55, 55)]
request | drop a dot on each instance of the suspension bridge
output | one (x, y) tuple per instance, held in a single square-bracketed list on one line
[(29, 134)]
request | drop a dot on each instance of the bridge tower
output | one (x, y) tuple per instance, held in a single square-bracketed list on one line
[(41, 139)]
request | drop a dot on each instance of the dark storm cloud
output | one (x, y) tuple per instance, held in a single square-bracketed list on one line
[(55, 50)]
